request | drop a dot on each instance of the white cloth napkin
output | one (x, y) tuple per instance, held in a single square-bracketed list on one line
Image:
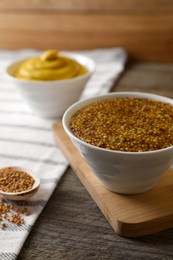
[(27, 141)]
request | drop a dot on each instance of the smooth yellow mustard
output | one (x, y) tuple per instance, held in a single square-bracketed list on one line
[(50, 66)]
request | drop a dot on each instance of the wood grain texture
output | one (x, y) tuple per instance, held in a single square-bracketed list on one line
[(89, 5), (145, 30), (71, 225), (147, 77)]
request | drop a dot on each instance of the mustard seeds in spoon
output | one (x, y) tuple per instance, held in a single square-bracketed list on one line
[(15, 180)]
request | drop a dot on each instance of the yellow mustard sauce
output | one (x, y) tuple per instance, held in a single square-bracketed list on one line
[(50, 66)]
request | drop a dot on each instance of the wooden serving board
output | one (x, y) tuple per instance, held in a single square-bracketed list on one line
[(129, 215)]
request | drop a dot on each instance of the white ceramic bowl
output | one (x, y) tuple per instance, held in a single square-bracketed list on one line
[(122, 172), (51, 98)]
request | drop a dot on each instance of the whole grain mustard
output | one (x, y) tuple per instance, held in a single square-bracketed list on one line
[(50, 66), (9, 213), (125, 124), (14, 180)]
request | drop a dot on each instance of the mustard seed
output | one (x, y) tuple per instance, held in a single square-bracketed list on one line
[(9, 213), (125, 124), (3, 226), (14, 180)]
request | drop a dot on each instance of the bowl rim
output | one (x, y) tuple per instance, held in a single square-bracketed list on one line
[(69, 54), (85, 101)]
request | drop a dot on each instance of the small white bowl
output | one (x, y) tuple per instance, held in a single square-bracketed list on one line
[(23, 195), (122, 172), (51, 98)]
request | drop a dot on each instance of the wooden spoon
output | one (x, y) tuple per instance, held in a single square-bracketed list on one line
[(23, 195)]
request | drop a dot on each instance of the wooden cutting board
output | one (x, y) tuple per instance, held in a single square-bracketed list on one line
[(129, 215)]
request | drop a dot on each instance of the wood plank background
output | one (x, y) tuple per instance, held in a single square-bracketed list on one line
[(144, 28)]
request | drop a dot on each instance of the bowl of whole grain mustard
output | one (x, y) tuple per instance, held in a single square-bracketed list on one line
[(51, 82), (125, 137)]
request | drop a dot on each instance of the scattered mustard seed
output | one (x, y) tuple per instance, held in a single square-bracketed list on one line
[(125, 124), (10, 213), (3, 225)]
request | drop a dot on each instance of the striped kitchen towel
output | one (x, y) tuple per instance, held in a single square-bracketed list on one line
[(27, 141)]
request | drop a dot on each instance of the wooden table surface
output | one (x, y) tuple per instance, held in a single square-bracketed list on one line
[(72, 227)]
